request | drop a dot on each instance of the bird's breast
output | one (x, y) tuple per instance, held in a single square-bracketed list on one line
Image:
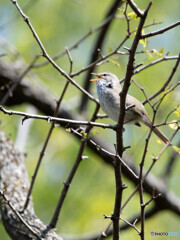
[(110, 102)]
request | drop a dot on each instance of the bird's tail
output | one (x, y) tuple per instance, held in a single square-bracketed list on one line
[(158, 133), (161, 135)]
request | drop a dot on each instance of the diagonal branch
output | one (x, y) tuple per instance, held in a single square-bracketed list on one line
[(46, 55), (165, 29), (72, 173), (14, 184), (167, 82), (98, 45)]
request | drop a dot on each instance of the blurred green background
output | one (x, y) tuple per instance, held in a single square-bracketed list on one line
[(59, 24)]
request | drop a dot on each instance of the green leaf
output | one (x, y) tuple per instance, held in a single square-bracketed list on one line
[(93, 133), (84, 133), (68, 130)]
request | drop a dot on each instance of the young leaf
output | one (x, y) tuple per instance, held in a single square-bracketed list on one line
[(159, 141), (177, 149), (174, 126), (149, 55), (68, 130), (133, 15), (159, 54), (143, 42)]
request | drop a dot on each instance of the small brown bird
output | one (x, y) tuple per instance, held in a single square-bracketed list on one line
[(108, 90)]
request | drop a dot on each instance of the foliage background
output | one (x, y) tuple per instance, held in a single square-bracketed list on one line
[(59, 24)]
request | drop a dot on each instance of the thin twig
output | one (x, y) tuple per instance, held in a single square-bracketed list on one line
[(101, 58), (70, 60), (167, 82), (127, 19), (165, 29), (141, 177), (75, 45), (45, 54), (48, 136), (55, 119), (70, 177), (165, 58), (44, 147), (109, 153), (124, 220)]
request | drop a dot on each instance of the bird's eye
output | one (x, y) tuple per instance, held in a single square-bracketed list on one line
[(104, 74), (109, 85)]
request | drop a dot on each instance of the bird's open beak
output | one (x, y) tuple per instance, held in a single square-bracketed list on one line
[(95, 80)]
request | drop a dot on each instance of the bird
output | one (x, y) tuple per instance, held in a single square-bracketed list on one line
[(108, 91)]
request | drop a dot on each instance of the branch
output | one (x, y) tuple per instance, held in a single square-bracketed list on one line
[(165, 58), (119, 131), (167, 82), (55, 119), (44, 147), (72, 173), (135, 8), (98, 45), (165, 29), (75, 45)]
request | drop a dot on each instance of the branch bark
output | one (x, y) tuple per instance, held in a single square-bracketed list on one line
[(14, 182)]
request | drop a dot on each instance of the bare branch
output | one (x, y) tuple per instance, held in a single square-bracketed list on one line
[(135, 8), (70, 60), (55, 119), (14, 186), (44, 147), (167, 82), (165, 58), (119, 132), (71, 174), (75, 45), (165, 29)]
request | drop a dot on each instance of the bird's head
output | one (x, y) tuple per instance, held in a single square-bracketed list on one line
[(107, 79)]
